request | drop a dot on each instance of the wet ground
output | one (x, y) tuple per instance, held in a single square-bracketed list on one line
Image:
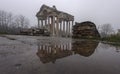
[(51, 55)]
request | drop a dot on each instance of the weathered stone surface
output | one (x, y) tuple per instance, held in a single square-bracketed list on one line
[(85, 30), (46, 11)]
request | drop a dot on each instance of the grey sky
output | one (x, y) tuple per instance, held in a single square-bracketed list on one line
[(97, 11)]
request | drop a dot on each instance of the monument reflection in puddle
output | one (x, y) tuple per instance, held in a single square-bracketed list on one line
[(50, 53)]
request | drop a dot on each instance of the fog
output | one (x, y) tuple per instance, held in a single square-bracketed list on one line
[(98, 11)]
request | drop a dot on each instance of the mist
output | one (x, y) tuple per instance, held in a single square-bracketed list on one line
[(98, 11)]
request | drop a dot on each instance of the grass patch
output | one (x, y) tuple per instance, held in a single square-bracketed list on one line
[(112, 38)]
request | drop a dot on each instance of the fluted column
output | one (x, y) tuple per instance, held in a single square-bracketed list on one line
[(46, 22), (49, 24), (67, 29), (53, 25), (72, 23), (64, 27), (72, 28), (60, 28), (38, 23), (42, 24), (57, 26)]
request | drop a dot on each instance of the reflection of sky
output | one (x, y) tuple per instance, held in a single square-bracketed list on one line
[(98, 11)]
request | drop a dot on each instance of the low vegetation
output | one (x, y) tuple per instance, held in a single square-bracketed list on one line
[(113, 39)]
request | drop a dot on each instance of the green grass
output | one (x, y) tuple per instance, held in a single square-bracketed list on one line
[(3, 32), (112, 38)]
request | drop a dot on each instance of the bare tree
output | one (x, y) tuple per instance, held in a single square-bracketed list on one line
[(22, 21), (12, 24), (3, 21), (10, 19), (106, 30)]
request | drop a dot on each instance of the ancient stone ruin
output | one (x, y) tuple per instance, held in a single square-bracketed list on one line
[(56, 22), (85, 30)]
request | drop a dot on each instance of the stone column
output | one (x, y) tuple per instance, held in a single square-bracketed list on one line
[(49, 23), (42, 24), (60, 28), (72, 28), (57, 26), (53, 25), (64, 27), (46, 22), (38, 23), (72, 23), (67, 29)]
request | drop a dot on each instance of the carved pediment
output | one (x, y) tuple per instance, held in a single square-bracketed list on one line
[(46, 11)]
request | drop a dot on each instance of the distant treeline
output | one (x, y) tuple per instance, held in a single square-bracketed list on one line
[(12, 24)]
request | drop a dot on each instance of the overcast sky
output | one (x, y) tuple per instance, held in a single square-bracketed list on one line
[(98, 11)]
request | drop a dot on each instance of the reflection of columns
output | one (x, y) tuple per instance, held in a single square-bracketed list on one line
[(41, 47), (38, 47), (67, 46), (63, 47)]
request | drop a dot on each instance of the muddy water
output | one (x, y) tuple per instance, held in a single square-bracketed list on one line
[(42, 55)]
